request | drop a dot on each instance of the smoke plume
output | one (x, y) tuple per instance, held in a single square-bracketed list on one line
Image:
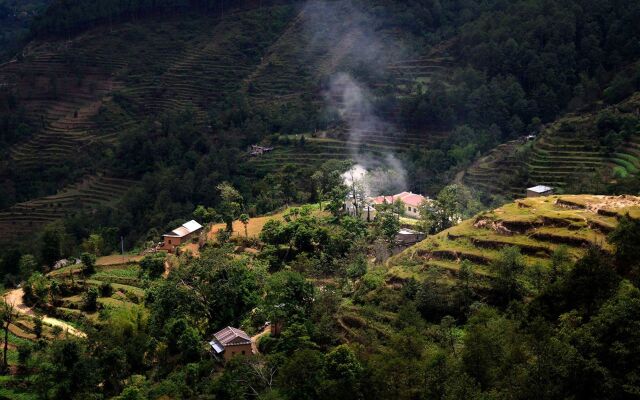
[(349, 36)]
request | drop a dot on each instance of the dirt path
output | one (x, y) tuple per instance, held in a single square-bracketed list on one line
[(254, 339), (15, 297)]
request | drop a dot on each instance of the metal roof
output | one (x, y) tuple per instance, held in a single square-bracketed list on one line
[(217, 347), (186, 229), (540, 189), (232, 336)]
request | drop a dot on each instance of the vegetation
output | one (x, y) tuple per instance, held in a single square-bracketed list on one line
[(119, 121)]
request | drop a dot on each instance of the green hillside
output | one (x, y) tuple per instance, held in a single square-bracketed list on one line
[(537, 226), (582, 152)]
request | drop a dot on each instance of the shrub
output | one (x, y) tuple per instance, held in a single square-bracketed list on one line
[(90, 300), (106, 289)]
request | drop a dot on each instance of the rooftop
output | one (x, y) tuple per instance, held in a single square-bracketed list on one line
[(232, 336), (185, 229), (408, 198), (540, 189)]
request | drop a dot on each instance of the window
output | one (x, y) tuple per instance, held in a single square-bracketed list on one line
[(242, 352)]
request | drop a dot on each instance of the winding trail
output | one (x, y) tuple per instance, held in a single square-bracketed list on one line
[(16, 296)]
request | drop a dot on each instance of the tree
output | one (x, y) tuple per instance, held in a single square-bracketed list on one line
[(28, 265), (337, 197), (626, 238), (205, 214), (302, 374), (343, 373), (465, 282), (37, 327), (244, 218), (94, 244), (508, 269), (50, 247), (8, 314), (90, 299), (389, 227), (153, 266), (289, 296), (453, 204), (231, 204), (88, 263)]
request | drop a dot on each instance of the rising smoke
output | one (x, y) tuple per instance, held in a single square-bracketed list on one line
[(348, 34)]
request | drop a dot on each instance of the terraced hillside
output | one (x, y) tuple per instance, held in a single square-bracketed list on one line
[(538, 226), (93, 191), (604, 145), (80, 96)]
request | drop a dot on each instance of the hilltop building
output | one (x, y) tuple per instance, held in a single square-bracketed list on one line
[(229, 342), (259, 150), (411, 201), (540, 190), (180, 235)]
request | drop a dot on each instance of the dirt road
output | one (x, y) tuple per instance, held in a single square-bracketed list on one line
[(15, 297)]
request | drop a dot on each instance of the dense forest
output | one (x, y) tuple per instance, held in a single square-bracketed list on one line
[(159, 102)]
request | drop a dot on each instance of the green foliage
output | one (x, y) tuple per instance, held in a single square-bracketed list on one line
[(90, 299), (453, 204), (88, 261), (389, 226), (289, 296), (626, 238), (231, 204), (212, 291), (508, 270), (28, 265), (153, 265)]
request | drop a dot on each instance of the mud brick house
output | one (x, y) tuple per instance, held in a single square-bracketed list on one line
[(230, 342), (180, 235)]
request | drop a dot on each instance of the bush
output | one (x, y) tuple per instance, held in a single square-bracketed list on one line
[(90, 300), (106, 289)]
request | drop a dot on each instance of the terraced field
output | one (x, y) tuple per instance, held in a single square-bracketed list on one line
[(493, 173), (94, 191), (538, 226), (566, 149)]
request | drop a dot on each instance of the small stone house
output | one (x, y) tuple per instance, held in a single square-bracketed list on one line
[(180, 235), (230, 342), (540, 190)]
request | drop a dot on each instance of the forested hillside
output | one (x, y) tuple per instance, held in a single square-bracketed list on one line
[(443, 84), (15, 20), (121, 120)]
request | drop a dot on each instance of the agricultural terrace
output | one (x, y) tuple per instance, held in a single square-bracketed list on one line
[(538, 226)]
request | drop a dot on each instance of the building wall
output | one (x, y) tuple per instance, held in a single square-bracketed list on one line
[(170, 243), (411, 211), (231, 351), (531, 193)]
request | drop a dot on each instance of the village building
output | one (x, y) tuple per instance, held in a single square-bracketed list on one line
[(411, 202), (540, 190), (259, 150), (407, 237), (230, 342), (180, 235)]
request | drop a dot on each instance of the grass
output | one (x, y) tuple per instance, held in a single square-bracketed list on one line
[(538, 226), (255, 225)]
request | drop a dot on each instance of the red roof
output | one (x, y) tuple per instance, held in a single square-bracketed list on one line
[(408, 198)]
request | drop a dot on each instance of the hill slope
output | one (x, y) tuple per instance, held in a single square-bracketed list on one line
[(576, 152), (538, 226)]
